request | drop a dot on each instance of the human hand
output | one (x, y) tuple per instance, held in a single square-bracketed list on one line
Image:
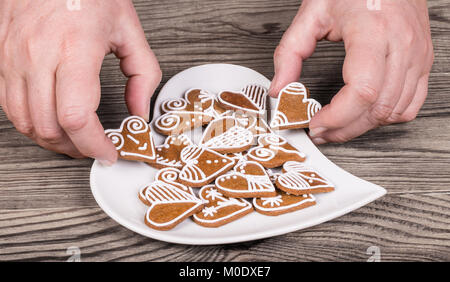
[(388, 59), (50, 60)]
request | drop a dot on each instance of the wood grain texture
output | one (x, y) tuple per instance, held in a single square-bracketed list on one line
[(45, 201)]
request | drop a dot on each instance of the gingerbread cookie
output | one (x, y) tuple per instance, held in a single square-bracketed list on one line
[(202, 165), (219, 209), (169, 204), (168, 175), (251, 99), (299, 179), (273, 151), (282, 203), (294, 109), (168, 154), (195, 100), (177, 122), (249, 179), (226, 135), (133, 140)]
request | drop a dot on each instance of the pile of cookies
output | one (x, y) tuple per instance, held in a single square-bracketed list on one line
[(236, 163)]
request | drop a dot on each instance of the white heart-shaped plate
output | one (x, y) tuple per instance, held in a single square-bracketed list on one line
[(116, 188)]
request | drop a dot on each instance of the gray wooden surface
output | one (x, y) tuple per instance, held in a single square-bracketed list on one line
[(46, 205)]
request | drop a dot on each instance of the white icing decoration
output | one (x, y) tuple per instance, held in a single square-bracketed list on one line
[(223, 202), (279, 200), (171, 121), (174, 105), (234, 137), (272, 201), (255, 183), (295, 178), (264, 154), (255, 94), (116, 138), (193, 173), (143, 147)]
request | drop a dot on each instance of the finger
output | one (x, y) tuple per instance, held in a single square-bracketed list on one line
[(17, 104), (297, 44), (391, 91), (363, 74), (417, 102), (42, 107), (408, 93), (77, 98), (3, 96), (140, 65), (380, 111)]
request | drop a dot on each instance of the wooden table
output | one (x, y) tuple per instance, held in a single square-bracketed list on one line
[(46, 205)]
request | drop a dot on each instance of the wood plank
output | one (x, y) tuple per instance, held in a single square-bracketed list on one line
[(45, 201), (404, 227)]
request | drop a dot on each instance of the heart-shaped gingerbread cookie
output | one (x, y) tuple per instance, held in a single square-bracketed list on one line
[(294, 109), (282, 203), (202, 165), (133, 140), (251, 99), (273, 151), (248, 179), (219, 209), (170, 202), (299, 179)]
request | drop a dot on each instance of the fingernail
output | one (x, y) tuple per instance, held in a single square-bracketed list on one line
[(316, 131), (105, 162), (319, 141)]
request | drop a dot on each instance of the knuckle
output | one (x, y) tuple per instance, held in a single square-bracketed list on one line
[(49, 134), (366, 93), (380, 113), (408, 37), (24, 127), (341, 137), (395, 117), (73, 119)]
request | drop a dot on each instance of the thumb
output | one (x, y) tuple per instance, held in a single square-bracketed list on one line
[(297, 44), (139, 64)]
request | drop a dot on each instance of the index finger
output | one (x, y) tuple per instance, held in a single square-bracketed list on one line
[(363, 74), (77, 99)]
